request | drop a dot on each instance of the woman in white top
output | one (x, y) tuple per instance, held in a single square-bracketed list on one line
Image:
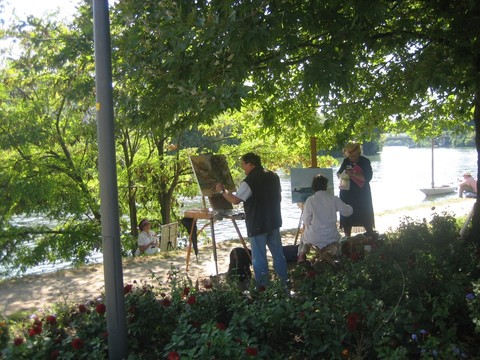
[(320, 217), (147, 239)]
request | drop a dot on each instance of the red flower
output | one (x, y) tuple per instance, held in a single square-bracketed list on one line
[(101, 309), (353, 320), (191, 300), (208, 285), (262, 288), (251, 351), (82, 308), (311, 273), (77, 343), (301, 315), (220, 326), (36, 329), (166, 302), (186, 291), (196, 324), (104, 334), (51, 319), (18, 341), (173, 355), (354, 256), (55, 354), (127, 289)]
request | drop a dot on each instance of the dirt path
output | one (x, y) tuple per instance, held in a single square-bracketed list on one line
[(37, 292)]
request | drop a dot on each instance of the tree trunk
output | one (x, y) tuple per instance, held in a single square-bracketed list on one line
[(474, 234), (132, 206)]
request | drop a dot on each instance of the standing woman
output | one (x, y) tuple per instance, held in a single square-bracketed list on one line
[(359, 195)]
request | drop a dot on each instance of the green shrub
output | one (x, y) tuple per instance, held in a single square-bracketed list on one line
[(415, 296)]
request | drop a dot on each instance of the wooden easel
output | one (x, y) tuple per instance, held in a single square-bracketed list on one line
[(210, 215), (299, 225)]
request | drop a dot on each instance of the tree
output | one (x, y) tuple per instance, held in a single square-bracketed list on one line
[(48, 142), (282, 147), (364, 65), (162, 97), (413, 62), (332, 70)]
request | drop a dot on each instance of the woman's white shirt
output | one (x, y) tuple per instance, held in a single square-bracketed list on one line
[(145, 238), (320, 218)]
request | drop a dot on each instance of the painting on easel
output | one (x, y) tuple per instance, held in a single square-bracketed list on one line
[(301, 182), (209, 170)]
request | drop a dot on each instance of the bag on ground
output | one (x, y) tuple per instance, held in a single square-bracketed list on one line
[(290, 252), (239, 267)]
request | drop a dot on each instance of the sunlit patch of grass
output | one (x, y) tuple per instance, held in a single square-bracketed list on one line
[(425, 206)]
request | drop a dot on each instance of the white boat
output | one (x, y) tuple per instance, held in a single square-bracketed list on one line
[(437, 190)]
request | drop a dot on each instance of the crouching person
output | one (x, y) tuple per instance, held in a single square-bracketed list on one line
[(320, 217)]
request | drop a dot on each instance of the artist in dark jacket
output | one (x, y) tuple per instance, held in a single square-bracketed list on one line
[(260, 193), (359, 196)]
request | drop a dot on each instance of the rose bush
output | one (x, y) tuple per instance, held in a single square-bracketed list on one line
[(414, 296)]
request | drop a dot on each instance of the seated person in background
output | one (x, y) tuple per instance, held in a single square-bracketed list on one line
[(468, 186), (320, 217), (147, 239)]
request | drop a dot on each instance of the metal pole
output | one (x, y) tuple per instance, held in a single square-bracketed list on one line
[(112, 258), (433, 164)]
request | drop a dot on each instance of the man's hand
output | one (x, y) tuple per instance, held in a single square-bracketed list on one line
[(219, 188)]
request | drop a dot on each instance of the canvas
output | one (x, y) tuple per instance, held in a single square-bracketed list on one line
[(209, 170), (168, 239), (301, 182)]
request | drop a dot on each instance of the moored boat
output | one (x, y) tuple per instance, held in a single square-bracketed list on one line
[(438, 190)]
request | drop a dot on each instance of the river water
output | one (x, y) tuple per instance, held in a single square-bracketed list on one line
[(398, 174)]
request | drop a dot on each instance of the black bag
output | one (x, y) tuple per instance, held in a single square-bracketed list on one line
[(187, 223), (239, 267), (290, 252)]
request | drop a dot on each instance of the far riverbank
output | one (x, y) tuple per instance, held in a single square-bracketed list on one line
[(34, 293)]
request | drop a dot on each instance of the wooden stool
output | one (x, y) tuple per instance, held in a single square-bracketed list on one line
[(327, 253)]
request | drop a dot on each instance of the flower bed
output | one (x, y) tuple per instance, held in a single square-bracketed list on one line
[(414, 296)]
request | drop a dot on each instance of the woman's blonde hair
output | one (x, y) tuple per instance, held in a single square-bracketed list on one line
[(352, 148)]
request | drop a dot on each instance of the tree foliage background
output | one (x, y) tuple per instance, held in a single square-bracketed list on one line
[(225, 76)]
